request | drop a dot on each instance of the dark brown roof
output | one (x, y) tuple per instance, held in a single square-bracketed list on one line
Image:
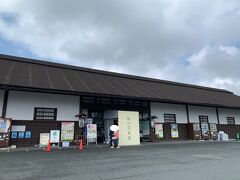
[(43, 75)]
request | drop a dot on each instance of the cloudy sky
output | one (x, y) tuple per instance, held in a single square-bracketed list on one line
[(190, 41)]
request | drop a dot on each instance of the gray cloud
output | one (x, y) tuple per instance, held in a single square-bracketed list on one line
[(180, 40)]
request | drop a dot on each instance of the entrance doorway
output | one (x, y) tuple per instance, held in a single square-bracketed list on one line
[(97, 117)]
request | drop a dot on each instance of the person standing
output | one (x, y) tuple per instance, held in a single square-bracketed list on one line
[(115, 139)]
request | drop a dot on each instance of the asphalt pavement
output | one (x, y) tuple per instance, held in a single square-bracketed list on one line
[(180, 161)]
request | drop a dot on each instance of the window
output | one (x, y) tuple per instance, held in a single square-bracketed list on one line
[(170, 118), (203, 119), (106, 101), (230, 120), (88, 100), (45, 113)]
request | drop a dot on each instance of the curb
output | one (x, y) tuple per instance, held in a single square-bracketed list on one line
[(26, 149)]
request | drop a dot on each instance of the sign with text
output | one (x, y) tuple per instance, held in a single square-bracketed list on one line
[(54, 136), (18, 128), (67, 131), (128, 122)]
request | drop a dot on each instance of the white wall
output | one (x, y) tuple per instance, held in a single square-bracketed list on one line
[(1, 100), (159, 109), (21, 105), (196, 111), (224, 113)]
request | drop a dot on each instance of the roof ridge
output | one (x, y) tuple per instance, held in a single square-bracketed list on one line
[(103, 72)]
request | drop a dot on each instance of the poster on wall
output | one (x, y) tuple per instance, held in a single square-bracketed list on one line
[(20, 135), (14, 135), (28, 134), (67, 131), (54, 136), (174, 131), (159, 130), (92, 133), (44, 138)]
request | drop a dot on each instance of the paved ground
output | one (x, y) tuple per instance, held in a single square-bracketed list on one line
[(195, 161)]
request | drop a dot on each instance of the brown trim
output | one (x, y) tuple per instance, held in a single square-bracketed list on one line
[(217, 115), (5, 100), (187, 111)]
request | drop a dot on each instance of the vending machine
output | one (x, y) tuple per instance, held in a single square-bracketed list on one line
[(194, 131), (213, 130)]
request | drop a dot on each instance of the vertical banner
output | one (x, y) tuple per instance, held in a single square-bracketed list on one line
[(128, 122), (92, 133), (174, 131), (67, 131), (159, 130)]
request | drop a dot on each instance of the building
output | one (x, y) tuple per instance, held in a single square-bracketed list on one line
[(29, 87)]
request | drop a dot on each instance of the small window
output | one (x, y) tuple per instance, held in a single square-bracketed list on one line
[(88, 99), (130, 102), (106, 101), (230, 120), (203, 119), (122, 102), (45, 113), (170, 118)]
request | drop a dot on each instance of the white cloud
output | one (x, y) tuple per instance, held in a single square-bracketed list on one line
[(140, 37)]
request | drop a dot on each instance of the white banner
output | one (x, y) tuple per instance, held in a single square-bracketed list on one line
[(54, 136)]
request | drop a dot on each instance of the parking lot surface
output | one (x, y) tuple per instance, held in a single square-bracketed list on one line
[(195, 161)]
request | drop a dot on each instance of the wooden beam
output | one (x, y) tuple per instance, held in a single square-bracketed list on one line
[(187, 111), (217, 115), (5, 100)]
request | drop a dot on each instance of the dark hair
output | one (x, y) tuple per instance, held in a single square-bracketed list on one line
[(115, 122)]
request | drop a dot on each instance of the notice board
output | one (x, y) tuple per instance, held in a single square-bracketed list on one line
[(128, 122)]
